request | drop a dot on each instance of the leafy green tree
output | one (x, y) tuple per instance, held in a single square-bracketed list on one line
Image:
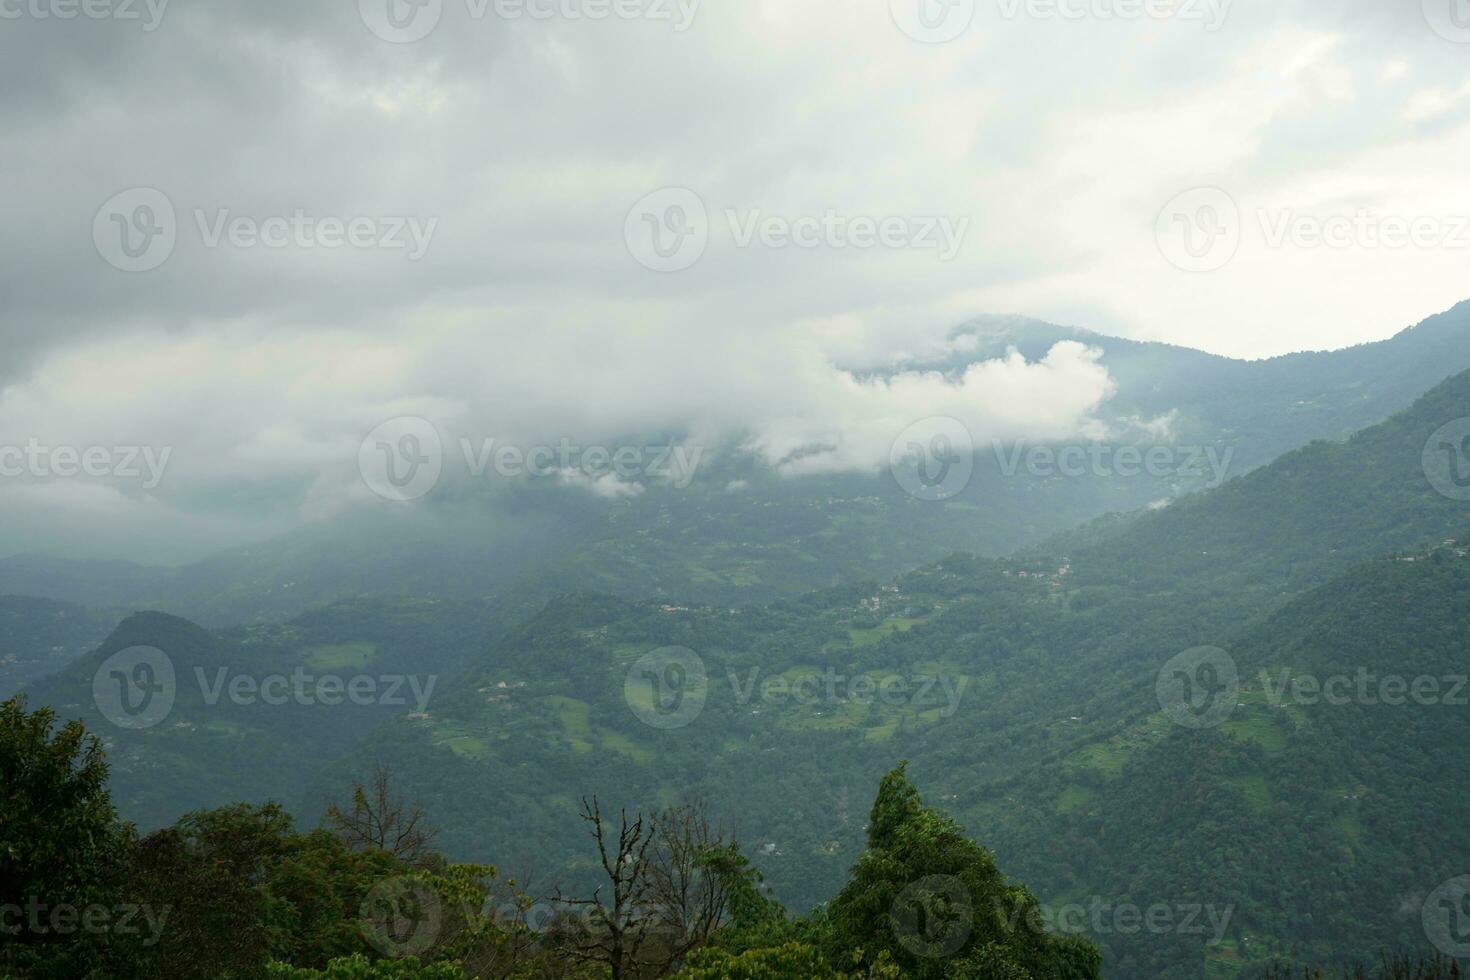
[(211, 869), (932, 900), (359, 967), (59, 841), (315, 896), (793, 960)]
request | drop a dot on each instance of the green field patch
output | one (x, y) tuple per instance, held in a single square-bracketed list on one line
[(468, 747), (1224, 960), (460, 740), (871, 637), (1073, 798), (1256, 726), (617, 742), (1106, 757), (1111, 755), (705, 576), (624, 654), (883, 732), (573, 715), (1255, 788), (1350, 827), (825, 716), (341, 656)]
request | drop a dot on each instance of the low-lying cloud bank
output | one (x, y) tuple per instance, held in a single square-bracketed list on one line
[(140, 446)]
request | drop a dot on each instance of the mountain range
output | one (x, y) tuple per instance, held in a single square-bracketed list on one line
[(1131, 712), (742, 532)]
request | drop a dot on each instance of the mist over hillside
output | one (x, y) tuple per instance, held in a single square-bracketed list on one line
[(755, 490)]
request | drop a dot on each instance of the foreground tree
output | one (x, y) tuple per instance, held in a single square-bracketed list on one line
[(618, 924), (932, 900), (60, 841), (689, 880), (379, 820)]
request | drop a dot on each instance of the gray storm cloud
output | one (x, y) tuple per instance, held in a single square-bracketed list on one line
[(259, 351)]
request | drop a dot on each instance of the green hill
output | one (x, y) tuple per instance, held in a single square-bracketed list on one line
[(1026, 692)]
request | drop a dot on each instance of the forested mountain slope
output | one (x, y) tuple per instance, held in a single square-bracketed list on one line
[(740, 532), (1030, 692)]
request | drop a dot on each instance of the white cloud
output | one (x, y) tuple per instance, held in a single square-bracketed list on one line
[(1058, 141)]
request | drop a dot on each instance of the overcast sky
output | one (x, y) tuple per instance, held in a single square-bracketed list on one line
[(249, 232)]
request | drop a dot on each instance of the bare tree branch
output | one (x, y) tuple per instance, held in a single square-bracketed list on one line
[(379, 820)]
